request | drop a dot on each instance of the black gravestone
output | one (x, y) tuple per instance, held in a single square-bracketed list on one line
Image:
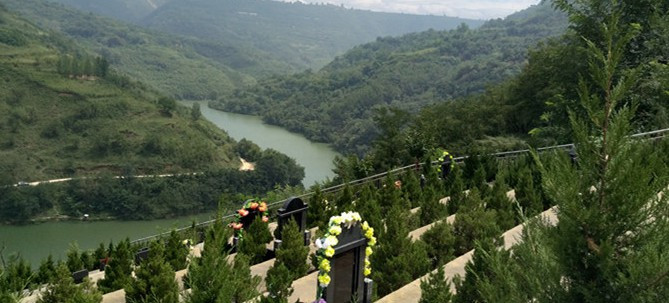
[(78, 276), (141, 255), (347, 269), (294, 208)]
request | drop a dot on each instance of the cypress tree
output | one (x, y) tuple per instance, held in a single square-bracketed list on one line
[(317, 213), (176, 253), (254, 240), (154, 279), (457, 192), (478, 268), (245, 285), (278, 281), (369, 208), (440, 242), (62, 289), (74, 258), (119, 268), (435, 288), (431, 209), (47, 270), (411, 189), (293, 253)]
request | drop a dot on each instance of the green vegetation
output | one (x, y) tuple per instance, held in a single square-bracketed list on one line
[(302, 35), (128, 10), (181, 67), (62, 289), (341, 103), (66, 114), (154, 279)]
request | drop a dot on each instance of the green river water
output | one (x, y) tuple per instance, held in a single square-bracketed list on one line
[(35, 242)]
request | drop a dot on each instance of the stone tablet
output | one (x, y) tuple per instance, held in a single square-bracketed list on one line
[(294, 208)]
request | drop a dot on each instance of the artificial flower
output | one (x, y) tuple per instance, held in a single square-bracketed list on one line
[(253, 205), (365, 225), (335, 230), (368, 251), (324, 265), (372, 241), (324, 280), (265, 219), (331, 241), (335, 220), (369, 233), (329, 252), (243, 212), (368, 271)]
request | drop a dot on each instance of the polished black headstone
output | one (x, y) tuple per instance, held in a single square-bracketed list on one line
[(78, 276), (141, 255), (294, 208), (347, 267)]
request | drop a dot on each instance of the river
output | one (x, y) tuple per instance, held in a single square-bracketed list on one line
[(36, 241)]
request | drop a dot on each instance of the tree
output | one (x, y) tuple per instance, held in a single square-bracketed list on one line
[(176, 253), (317, 213), (476, 269), (431, 209), (47, 270), (435, 288), (278, 281), (293, 253), (209, 276), (154, 279), (195, 112), (119, 268), (254, 240), (62, 289), (245, 285), (440, 243), (167, 105), (74, 258)]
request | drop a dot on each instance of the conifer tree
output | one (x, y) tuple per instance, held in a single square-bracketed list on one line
[(293, 253), (15, 276), (431, 209), (317, 213), (440, 243), (457, 192), (254, 240), (74, 258), (477, 268), (119, 268), (411, 189), (435, 288), (344, 200), (244, 284), (527, 196), (397, 261), (176, 252), (278, 281), (154, 279), (209, 276), (62, 289), (473, 222), (499, 201), (87, 260), (47, 270), (369, 208)]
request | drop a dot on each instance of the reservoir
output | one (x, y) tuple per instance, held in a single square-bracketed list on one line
[(35, 242)]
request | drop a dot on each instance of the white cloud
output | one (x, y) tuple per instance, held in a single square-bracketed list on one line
[(478, 9)]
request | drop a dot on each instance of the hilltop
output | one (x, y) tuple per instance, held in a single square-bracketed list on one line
[(302, 35), (337, 103)]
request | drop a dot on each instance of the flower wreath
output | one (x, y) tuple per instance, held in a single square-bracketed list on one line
[(326, 245), (444, 155), (251, 206)]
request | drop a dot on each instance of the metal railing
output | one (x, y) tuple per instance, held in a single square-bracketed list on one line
[(651, 135)]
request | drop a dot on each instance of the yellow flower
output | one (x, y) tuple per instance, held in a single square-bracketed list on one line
[(335, 230), (369, 233), (336, 220), (368, 251), (365, 226), (325, 265), (368, 271), (372, 241), (367, 263), (324, 279), (329, 252), (331, 241)]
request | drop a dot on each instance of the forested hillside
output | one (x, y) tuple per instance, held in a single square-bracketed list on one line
[(182, 67), (337, 104), (303, 35), (128, 10), (65, 113)]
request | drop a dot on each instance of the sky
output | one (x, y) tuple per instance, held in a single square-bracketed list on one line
[(476, 9)]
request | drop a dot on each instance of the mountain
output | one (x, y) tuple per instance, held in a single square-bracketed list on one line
[(183, 67), (304, 35), (337, 103), (127, 10), (65, 113)]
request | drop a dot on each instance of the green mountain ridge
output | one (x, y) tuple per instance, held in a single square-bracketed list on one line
[(337, 103), (182, 67), (57, 125), (303, 35)]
